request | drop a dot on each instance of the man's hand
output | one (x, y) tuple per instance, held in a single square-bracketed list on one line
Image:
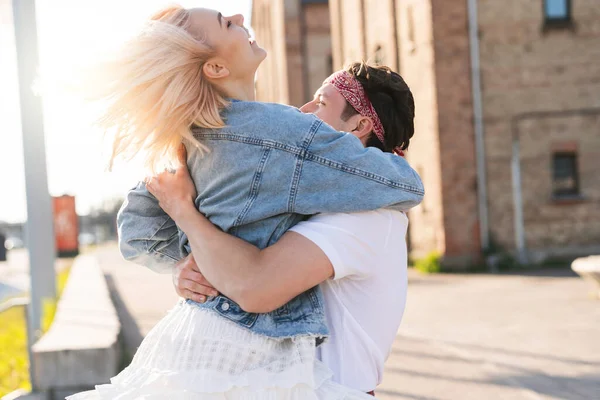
[(190, 283)]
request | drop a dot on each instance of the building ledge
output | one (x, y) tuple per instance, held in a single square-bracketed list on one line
[(558, 25), (568, 200)]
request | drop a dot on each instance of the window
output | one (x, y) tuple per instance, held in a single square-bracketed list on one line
[(557, 11), (565, 182)]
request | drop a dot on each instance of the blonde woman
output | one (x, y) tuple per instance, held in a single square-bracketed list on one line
[(258, 169)]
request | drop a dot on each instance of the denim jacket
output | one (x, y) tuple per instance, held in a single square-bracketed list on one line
[(269, 168)]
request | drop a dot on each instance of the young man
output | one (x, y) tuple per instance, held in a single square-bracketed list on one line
[(359, 259)]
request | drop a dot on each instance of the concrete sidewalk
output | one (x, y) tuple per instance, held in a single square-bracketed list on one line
[(462, 337), (497, 337), (141, 296)]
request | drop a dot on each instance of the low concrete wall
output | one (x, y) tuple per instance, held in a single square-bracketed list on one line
[(81, 348)]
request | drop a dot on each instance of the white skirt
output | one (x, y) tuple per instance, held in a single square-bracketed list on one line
[(193, 353)]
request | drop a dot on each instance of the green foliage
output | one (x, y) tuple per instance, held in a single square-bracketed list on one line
[(49, 305), (14, 365), (430, 264), (48, 312)]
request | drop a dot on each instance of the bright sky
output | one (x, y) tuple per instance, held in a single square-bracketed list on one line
[(69, 30)]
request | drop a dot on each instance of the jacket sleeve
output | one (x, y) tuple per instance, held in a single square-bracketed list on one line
[(337, 174), (147, 235)]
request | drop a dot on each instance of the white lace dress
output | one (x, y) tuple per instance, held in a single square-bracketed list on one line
[(193, 353)]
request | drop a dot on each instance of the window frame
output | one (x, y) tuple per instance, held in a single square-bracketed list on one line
[(564, 194), (558, 23)]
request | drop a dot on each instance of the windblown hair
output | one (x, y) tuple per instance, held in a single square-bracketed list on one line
[(156, 91), (393, 102)]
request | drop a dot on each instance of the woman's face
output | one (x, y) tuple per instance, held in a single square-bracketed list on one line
[(230, 39)]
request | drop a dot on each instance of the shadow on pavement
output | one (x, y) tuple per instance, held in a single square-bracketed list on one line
[(510, 374), (554, 386), (579, 387), (490, 349), (131, 336), (402, 395), (558, 272)]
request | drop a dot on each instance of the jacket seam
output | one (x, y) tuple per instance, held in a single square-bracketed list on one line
[(309, 156), (254, 187), (300, 157)]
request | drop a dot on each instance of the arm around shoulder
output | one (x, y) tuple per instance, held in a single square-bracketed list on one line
[(340, 175)]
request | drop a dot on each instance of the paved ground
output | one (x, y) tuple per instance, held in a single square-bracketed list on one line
[(497, 337), (142, 297), (463, 336)]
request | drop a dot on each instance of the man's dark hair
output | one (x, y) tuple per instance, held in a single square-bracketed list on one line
[(393, 102)]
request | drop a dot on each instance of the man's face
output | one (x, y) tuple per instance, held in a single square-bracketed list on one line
[(328, 105)]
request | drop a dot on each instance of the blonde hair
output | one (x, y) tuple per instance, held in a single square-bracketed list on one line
[(156, 91)]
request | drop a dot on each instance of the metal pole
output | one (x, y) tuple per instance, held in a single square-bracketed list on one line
[(39, 231), (484, 231), (518, 201)]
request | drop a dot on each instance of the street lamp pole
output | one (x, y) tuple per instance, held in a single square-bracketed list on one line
[(39, 229)]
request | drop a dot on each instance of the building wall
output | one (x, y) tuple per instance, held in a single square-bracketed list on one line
[(364, 30), (269, 29), (319, 61), (380, 29), (554, 226), (416, 48), (294, 52), (296, 35), (348, 27), (456, 132), (533, 75)]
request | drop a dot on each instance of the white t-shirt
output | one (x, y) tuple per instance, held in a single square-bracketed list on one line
[(365, 300)]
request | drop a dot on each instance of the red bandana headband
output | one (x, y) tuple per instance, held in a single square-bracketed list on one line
[(355, 94)]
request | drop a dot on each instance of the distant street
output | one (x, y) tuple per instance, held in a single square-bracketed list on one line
[(142, 297), (14, 273)]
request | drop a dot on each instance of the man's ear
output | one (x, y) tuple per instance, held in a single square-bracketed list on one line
[(364, 127), (215, 69)]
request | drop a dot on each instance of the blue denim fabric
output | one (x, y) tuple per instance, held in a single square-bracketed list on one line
[(269, 168)]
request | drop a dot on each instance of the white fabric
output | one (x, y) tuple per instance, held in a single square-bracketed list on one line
[(194, 353), (365, 301)]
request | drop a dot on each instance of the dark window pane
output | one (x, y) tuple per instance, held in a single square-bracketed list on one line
[(556, 9), (565, 179)]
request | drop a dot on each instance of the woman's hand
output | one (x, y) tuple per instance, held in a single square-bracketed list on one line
[(190, 283), (175, 191)]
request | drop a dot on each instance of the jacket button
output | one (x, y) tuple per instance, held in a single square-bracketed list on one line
[(225, 306)]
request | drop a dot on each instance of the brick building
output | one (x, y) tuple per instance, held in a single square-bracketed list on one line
[(508, 118), (297, 37)]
